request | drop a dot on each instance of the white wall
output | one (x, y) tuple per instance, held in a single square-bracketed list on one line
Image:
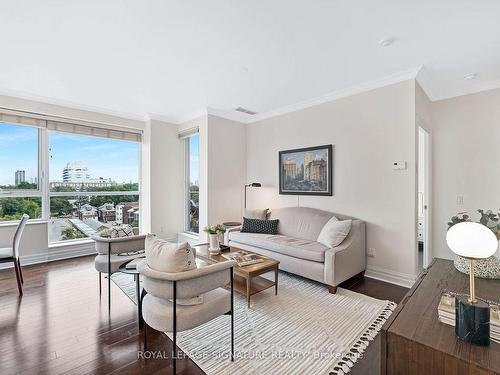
[(166, 180), (222, 169), (227, 169), (369, 131), (466, 162)]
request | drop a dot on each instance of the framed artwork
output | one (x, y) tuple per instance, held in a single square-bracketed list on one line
[(306, 171)]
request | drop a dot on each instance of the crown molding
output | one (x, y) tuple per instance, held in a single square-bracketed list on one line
[(69, 104), (339, 94), (477, 88)]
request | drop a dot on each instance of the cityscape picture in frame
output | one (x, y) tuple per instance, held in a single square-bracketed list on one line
[(306, 171)]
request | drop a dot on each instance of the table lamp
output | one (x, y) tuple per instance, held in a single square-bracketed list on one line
[(472, 317)]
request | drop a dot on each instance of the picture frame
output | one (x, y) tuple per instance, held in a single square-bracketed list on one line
[(306, 171)]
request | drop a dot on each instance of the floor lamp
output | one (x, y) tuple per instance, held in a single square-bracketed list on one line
[(253, 184)]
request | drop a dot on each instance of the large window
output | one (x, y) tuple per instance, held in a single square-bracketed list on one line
[(19, 166), (81, 179), (94, 183), (192, 183)]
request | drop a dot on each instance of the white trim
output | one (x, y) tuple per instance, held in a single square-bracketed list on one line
[(15, 223), (68, 104), (53, 254), (399, 278)]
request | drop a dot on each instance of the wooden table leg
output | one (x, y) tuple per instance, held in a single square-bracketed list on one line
[(276, 281), (248, 291)]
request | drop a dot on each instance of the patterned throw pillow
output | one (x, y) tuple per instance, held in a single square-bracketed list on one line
[(259, 226), (117, 231)]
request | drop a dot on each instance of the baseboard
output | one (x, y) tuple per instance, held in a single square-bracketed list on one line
[(389, 276), (54, 254)]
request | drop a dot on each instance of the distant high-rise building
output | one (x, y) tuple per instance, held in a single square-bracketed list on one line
[(20, 177), (75, 171)]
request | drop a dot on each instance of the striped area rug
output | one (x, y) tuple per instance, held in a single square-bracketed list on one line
[(302, 330)]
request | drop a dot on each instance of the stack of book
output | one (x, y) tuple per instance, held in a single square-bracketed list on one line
[(446, 315)]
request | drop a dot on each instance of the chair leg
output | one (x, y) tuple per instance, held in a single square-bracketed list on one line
[(20, 270), (145, 337), (232, 316), (18, 278), (174, 318), (100, 284), (109, 292)]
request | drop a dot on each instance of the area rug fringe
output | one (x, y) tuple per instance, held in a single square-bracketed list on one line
[(344, 365)]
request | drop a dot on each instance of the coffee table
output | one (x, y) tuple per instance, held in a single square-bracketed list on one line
[(247, 279)]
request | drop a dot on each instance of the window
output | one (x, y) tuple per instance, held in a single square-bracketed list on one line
[(94, 183), (192, 183), (19, 166), (80, 178)]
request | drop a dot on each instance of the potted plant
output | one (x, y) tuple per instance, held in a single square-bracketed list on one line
[(214, 232), (485, 268)]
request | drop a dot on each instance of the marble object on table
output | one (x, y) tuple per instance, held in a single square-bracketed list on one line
[(472, 321)]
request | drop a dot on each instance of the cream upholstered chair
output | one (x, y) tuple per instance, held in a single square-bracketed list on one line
[(162, 290), (111, 255), (11, 254)]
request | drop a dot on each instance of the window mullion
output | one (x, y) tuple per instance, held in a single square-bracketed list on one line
[(43, 171)]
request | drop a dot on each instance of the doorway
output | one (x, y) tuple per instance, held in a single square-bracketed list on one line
[(424, 195)]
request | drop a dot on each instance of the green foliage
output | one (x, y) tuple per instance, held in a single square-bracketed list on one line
[(14, 208), (214, 229), (135, 224), (458, 218), (488, 219), (70, 233), (60, 206)]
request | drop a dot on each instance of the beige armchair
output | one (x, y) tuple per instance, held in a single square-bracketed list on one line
[(110, 255), (162, 290)]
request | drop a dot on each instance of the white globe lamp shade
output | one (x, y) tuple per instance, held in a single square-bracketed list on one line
[(472, 240)]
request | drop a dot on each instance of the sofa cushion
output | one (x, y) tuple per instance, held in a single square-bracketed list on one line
[(259, 226), (295, 247), (300, 222), (256, 213)]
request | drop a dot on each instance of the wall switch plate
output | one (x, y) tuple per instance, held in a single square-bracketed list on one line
[(371, 252), (398, 165)]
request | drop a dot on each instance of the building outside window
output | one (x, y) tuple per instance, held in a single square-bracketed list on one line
[(192, 183)]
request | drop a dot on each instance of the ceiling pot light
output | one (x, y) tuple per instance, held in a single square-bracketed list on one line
[(470, 76), (386, 42)]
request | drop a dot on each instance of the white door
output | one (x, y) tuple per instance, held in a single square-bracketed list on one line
[(424, 199)]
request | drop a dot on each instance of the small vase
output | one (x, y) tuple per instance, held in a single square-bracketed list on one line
[(214, 247)]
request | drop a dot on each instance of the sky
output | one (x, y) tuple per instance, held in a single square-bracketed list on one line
[(194, 159), (107, 158)]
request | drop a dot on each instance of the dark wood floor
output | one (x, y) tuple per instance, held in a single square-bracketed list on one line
[(61, 325)]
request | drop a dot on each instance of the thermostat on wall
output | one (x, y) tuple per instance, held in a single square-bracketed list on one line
[(397, 165)]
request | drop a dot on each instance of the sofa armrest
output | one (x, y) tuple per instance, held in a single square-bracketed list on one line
[(349, 258), (229, 230)]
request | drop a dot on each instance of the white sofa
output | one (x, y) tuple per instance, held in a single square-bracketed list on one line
[(297, 249)]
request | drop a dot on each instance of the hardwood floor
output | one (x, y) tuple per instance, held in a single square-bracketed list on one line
[(61, 325)]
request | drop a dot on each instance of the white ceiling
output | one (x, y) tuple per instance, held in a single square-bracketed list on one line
[(175, 59)]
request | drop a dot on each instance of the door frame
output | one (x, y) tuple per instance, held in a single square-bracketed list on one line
[(427, 201)]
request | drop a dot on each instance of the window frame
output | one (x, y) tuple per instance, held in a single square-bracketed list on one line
[(43, 189), (30, 193), (187, 182), (51, 194)]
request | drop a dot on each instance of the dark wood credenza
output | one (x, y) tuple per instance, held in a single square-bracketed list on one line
[(413, 341)]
